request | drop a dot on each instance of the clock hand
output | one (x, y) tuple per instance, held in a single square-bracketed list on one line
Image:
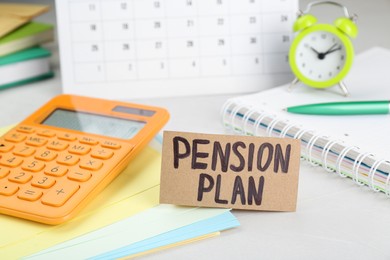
[(333, 50), (321, 55), (330, 49), (314, 50)]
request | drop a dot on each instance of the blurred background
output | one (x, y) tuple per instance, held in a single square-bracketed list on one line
[(373, 25), (373, 20)]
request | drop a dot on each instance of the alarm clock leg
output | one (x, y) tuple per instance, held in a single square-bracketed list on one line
[(292, 85), (343, 88)]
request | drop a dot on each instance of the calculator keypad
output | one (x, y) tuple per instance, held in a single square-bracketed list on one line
[(48, 168), (7, 188), (23, 151)]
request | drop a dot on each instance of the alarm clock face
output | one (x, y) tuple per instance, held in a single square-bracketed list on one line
[(321, 56)]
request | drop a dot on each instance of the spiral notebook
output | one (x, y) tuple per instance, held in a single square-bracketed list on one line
[(356, 147)]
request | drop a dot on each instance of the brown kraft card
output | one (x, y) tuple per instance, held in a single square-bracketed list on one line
[(230, 171)]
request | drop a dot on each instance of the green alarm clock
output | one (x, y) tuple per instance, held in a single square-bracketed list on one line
[(321, 55)]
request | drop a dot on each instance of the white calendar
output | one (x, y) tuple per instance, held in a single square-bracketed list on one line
[(125, 49)]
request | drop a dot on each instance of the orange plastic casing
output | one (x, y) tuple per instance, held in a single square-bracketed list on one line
[(154, 120)]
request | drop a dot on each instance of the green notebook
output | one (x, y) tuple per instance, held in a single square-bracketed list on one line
[(25, 67), (27, 36), (48, 75), (28, 54)]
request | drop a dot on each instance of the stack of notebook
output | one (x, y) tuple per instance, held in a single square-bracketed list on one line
[(22, 60)]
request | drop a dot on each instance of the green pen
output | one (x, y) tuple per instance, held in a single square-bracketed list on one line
[(343, 108)]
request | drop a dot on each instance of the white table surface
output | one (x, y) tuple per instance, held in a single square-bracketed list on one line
[(335, 218)]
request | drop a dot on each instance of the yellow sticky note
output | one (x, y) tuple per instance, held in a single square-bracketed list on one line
[(134, 190), (181, 243)]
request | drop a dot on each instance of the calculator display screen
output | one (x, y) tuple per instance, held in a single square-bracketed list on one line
[(94, 124)]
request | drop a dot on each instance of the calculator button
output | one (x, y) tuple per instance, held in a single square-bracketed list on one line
[(20, 177), (42, 181), (33, 166), (102, 153), (66, 137), (68, 159), (90, 164), (57, 145), (79, 149), (24, 151), (15, 137), (36, 141), (4, 172), (25, 129), (56, 170), (46, 133), (7, 188), (87, 140), (60, 194), (45, 155), (29, 194), (79, 175), (5, 147), (112, 145), (10, 161)]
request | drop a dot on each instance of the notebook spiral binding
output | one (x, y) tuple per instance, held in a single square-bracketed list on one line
[(319, 150)]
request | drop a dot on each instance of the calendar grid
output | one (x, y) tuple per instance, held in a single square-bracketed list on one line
[(230, 36), (135, 47), (103, 50), (134, 41), (262, 48), (197, 34), (166, 37)]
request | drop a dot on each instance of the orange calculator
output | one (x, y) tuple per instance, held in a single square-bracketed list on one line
[(59, 158)]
